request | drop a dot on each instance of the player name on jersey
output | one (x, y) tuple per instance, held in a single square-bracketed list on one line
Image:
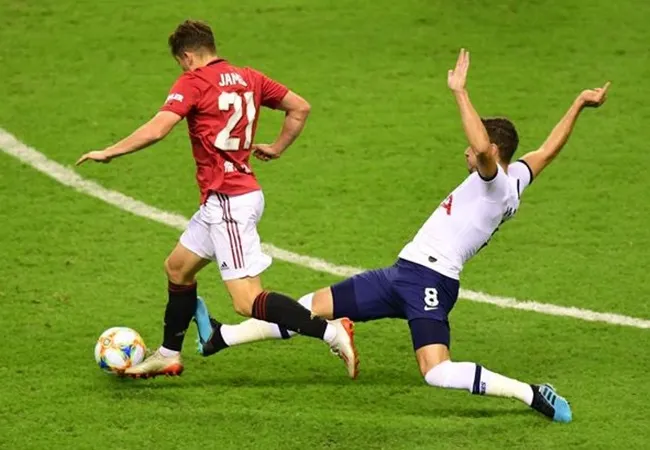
[(231, 79)]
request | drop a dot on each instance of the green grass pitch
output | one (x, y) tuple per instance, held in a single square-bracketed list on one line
[(381, 149)]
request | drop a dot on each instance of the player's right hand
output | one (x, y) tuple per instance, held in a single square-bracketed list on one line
[(265, 152), (595, 97), (98, 156), (457, 77)]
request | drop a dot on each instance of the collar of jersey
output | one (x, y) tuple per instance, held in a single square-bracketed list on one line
[(216, 61)]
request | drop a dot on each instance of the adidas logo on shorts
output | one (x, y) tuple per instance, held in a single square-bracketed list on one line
[(224, 265)]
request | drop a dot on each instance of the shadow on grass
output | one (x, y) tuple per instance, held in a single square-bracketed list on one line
[(289, 386)]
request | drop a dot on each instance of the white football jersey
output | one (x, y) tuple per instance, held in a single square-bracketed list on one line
[(466, 220)]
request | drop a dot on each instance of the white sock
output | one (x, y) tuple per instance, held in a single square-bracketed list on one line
[(498, 385), (252, 330), (330, 333), (477, 380), (167, 353)]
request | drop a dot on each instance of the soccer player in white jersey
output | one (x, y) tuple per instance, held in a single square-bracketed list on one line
[(423, 285)]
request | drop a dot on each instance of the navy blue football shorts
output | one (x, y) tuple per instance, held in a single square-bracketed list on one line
[(405, 290)]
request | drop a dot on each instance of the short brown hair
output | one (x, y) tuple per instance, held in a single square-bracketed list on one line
[(503, 134), (192, 35)]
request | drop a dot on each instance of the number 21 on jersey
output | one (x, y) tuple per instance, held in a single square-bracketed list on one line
[(233, 100)]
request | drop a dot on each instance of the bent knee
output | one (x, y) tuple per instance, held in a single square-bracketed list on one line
[(243, 306), (176, 273), (171, 268), (243, 300), (438, 375), (431, 356)]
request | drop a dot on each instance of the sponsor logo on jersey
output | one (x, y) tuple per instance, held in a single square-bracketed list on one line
[(174, 97), (229, 167)]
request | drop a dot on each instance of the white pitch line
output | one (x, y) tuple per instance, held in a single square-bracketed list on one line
[(12, 146)]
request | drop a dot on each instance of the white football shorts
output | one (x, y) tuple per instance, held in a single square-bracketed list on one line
[(224, 230)]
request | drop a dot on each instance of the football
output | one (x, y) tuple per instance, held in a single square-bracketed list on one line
[(119, 348)]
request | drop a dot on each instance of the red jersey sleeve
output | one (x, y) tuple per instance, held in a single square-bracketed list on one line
[(183, 96), (272, 91)]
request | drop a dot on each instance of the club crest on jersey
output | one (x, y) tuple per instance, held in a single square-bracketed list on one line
[(231, 79)]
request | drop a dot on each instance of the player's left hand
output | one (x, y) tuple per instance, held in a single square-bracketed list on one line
[(98, 156), (265, 152), (595, 97), (457, 77)]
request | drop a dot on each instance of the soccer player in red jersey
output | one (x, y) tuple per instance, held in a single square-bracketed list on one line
[(221, 103)]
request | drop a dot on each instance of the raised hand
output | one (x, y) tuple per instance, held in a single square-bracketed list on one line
[(457, 77), (595, 97)]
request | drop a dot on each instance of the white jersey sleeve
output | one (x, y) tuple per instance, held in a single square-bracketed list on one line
[(520, 171), (495, 188)]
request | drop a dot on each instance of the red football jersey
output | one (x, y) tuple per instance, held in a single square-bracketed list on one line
[(221, 103)]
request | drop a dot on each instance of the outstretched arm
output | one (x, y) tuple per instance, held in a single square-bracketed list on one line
[(476, 133), (538, 160), (149, 133)]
